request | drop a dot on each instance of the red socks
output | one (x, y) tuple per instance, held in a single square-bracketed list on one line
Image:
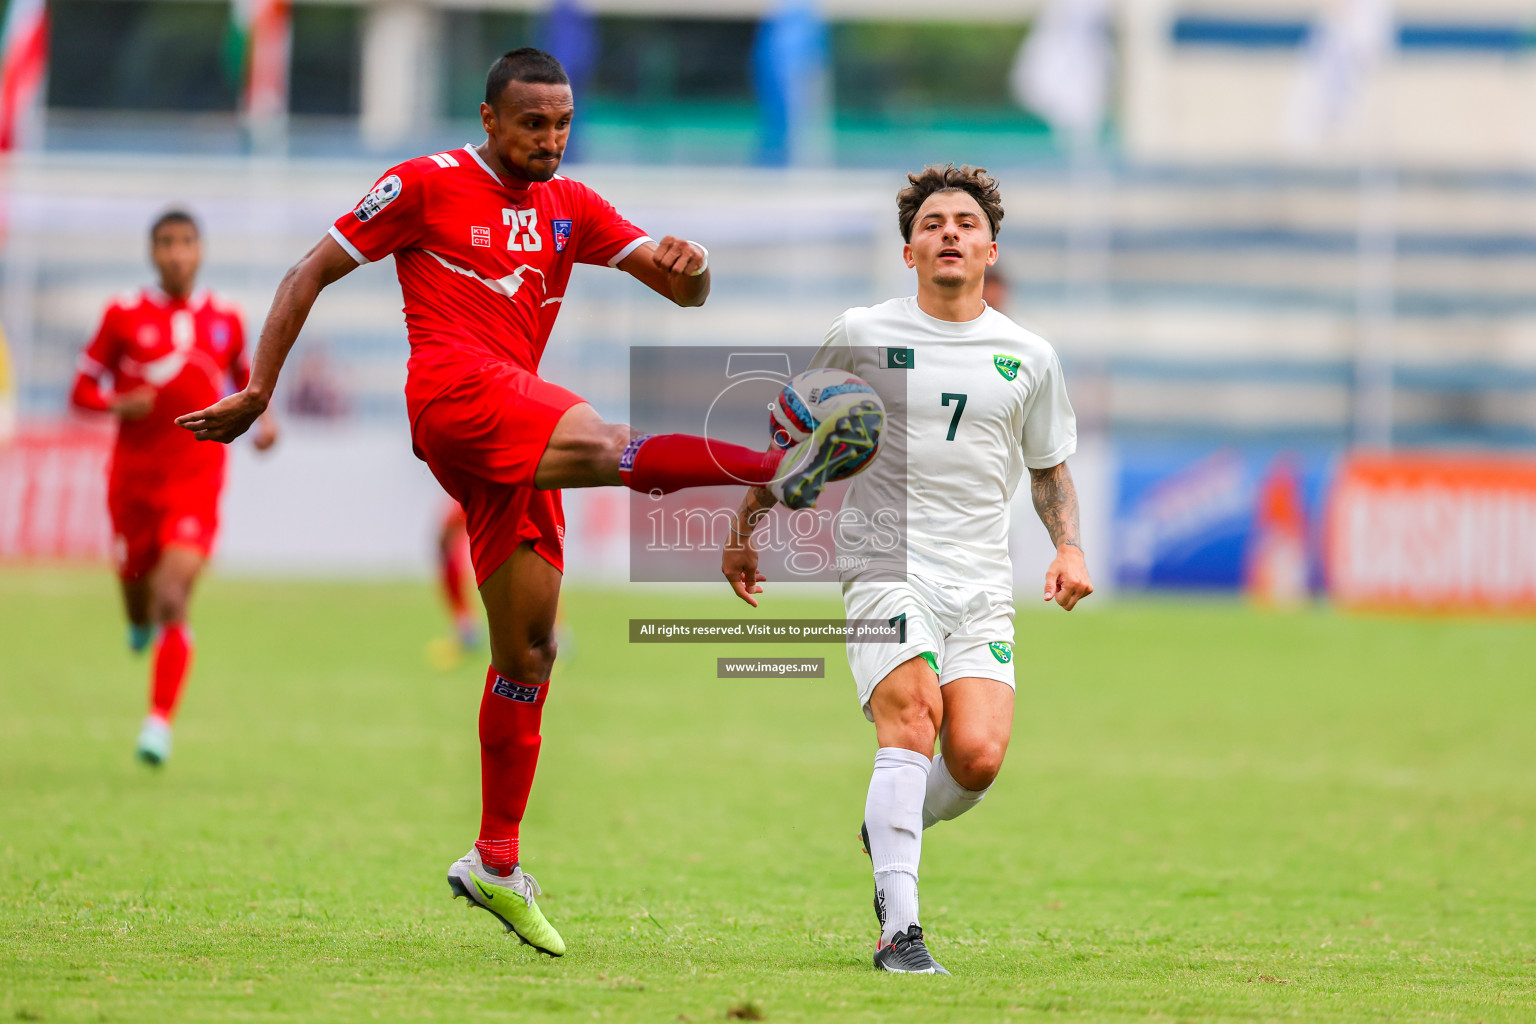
[(510, 713), (173, 658), (670, 462)]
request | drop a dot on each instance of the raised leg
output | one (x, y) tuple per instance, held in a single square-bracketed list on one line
[(978, 722)]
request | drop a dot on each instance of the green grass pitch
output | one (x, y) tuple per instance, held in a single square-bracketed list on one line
[(1208, 814)]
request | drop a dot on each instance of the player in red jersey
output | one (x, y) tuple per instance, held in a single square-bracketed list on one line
[(454, 568), (168, 350), (452, 561), (484, 239)]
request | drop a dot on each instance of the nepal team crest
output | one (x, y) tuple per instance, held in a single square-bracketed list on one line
[(562, 234)]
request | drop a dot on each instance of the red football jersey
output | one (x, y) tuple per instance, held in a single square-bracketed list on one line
[(483, 263), (186, 349)]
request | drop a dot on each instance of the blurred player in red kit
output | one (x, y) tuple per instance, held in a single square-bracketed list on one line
[(168, 350), (484, 240), (454, 567), (452, 559)]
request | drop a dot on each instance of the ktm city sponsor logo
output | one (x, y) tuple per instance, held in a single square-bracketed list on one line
[(505, 687)]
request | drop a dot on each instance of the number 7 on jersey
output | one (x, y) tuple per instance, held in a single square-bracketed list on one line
[(959, 400)]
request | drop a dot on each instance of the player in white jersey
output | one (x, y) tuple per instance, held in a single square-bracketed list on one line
[(982, 400)]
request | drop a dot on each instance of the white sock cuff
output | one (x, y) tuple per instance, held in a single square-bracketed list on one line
[(901, 757), (945, 798), (896, 869), (943, 778)]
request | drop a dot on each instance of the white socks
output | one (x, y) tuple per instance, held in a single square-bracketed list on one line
[(907, 793), (893, 814), (946, 798)]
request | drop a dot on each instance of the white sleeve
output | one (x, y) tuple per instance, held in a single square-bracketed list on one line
[(1050, 425), (835, 352)]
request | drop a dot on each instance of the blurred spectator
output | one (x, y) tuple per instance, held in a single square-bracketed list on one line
[(7, 394), (994, 291), (1276, 569), (317, 392), (789, 72), (570, 33)]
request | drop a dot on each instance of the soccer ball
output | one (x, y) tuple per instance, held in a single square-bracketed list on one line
[(811, 397)]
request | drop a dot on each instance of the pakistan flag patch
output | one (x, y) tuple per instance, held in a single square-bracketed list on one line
[(1008, 366), (1002, 651)]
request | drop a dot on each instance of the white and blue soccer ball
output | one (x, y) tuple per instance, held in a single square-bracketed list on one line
[(814, 396)]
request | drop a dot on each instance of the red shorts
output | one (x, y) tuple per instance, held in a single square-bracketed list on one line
[(147, 521), (483, 438)]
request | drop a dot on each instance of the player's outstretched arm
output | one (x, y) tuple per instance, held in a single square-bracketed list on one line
[(228, 419), (738, 559), (1055, 496), (674, 268), (89, 394), (266, 432)]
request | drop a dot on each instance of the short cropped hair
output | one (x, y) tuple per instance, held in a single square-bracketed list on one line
[(936, 178), (524, 64), (175, 215)]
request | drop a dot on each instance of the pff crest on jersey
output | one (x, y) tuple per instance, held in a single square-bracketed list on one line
[(1001, 651), (1008, 366)]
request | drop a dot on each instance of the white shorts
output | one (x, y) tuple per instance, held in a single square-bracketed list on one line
[(966, 631)]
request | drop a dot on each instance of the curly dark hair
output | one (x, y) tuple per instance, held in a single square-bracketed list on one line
[(937, 178)]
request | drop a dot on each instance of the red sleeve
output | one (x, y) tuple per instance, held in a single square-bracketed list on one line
[(87, 394), (389, 218), (239, 360), (97, 361), (602, 236)]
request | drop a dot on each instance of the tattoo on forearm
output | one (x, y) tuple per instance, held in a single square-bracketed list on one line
[(758, 501), (754, 506), (1056, 503)]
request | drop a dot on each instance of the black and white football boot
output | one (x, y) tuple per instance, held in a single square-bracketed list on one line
[(837, 448), (907, 954), (879, 899)]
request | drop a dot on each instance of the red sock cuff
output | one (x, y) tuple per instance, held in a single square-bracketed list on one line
[(670, 462), (520, 694), (498, 855)]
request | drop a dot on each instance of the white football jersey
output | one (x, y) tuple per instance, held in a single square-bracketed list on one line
[(981, 401)]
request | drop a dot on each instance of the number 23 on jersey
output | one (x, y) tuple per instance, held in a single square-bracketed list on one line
[(524, 236)]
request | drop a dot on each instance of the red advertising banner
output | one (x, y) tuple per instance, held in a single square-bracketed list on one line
[(1433, 533), (53, 493)]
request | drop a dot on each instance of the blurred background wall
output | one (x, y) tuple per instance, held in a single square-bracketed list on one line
[(1262, 234)]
